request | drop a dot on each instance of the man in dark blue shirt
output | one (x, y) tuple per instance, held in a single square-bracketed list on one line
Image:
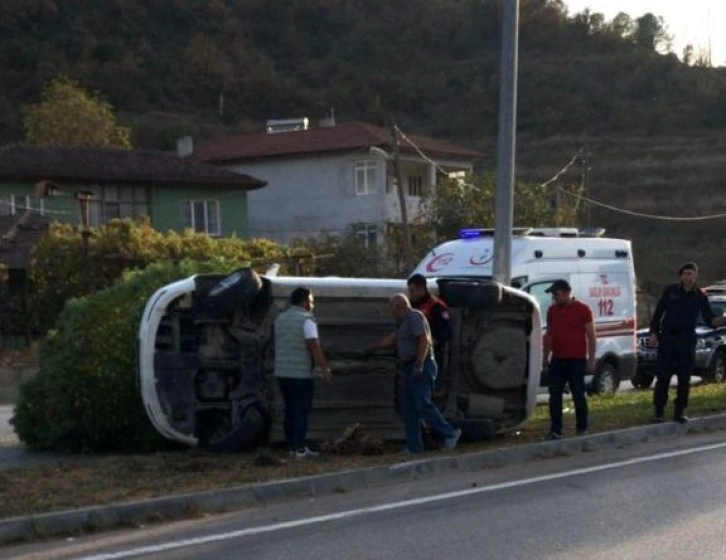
[(673, 329)]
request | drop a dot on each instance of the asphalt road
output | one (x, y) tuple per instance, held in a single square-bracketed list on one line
[(664, 500)]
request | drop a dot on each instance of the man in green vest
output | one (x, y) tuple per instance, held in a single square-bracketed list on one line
[(297, 349)]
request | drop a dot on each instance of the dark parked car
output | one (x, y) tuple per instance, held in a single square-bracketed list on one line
[(710, 362)]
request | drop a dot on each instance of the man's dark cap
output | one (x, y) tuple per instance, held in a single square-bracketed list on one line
[(417, 280), (688, 266), (559, 286)]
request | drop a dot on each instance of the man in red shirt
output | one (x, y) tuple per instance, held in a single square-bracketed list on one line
[(569, 351)]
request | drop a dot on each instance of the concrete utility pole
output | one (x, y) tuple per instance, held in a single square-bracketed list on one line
[(405, 229), (504, 200)]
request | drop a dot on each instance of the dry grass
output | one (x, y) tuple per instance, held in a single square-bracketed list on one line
[(97, 480)]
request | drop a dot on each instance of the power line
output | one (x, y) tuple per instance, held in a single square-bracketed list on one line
[(644, 214), (564, 170), (433, 162)]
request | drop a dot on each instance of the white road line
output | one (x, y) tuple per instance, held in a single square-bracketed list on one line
[(185, 543)]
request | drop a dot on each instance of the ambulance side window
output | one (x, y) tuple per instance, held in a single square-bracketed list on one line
[(544, 299)]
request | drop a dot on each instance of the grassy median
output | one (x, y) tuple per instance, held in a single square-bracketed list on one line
[(103, 479)]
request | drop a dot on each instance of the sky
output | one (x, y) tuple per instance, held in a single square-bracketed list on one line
[(688, 21)]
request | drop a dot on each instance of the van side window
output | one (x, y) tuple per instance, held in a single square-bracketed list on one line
[(544, 299)]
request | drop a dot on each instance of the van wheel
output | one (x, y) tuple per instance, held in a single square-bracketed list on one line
[(220, 435), (234, 291), (605, 380), (717, 371), (642, 380), (476, 429), (471, 294)]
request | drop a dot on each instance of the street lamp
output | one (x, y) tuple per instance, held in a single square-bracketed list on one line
[(504, 196), (84, 206)]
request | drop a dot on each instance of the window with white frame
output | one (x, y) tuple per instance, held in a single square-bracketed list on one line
[(365, 177), (415, 185), (117, 201), (367, 235), (13, 204), (202, 216)]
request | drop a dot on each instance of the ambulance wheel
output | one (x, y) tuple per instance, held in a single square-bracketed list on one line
[(642, 380), (471, 294), (606, 380), (717, 371)]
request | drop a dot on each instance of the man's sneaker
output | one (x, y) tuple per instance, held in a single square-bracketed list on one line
[(680, 418), (553, 435), (582, 432), (450, 443), (306, 453)]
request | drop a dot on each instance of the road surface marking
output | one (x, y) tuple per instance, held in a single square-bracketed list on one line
[(185, 543)]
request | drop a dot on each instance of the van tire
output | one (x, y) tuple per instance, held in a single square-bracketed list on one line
[(476, 429), (234, 291), (471, 294), (606, 379), (253, 426)]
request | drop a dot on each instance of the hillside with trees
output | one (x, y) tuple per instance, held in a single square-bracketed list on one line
[(650, 124), (172, 66)]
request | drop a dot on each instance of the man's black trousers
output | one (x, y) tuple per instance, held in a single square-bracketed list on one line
[(676, 355)]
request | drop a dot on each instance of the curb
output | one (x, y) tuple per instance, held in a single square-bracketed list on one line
[(97, 518)]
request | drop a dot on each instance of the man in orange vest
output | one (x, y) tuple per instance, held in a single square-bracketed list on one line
[(437, 314)]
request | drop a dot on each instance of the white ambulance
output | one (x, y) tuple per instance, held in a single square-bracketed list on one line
[(600, 271)]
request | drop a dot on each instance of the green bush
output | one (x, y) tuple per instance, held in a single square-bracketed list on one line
[(62, 267), (85, 396)]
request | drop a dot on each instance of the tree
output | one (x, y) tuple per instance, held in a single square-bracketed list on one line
[(651, 33), (622, 25), (456, 205), (68, 115)]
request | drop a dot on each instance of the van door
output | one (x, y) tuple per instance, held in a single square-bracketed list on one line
[(494, 357)]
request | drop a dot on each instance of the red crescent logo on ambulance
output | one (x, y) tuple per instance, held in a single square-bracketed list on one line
[(482, 259), (441, 261)]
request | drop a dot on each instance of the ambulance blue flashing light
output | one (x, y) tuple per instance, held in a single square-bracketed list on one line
[(471, 233)]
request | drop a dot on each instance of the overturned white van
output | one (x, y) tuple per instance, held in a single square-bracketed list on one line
[(206, 358)]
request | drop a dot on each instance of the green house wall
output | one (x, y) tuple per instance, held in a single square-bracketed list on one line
[(167, 208), (165, 203), (60, 208)]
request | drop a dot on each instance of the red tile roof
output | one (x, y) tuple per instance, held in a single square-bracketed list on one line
[(338, 138), (99, 165)]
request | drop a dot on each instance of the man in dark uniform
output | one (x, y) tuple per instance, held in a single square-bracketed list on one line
[(673, 330), (435, 311), (437, 314)]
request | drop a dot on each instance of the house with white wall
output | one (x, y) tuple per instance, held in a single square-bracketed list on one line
[(334, 176)]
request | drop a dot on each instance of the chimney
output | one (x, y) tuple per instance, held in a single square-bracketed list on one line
[(329, 120), (184, 146)]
